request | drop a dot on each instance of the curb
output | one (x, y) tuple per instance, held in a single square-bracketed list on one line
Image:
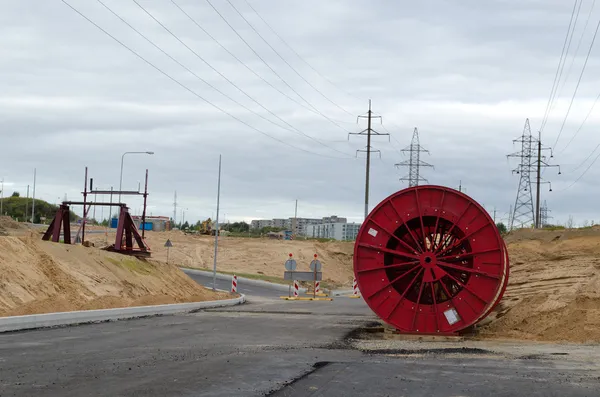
[(241, 280), (340, 292), (18, 323)]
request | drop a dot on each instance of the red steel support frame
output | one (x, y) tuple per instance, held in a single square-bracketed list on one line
[(126, 228)]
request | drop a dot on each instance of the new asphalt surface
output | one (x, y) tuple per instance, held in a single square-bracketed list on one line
[(266, 347)]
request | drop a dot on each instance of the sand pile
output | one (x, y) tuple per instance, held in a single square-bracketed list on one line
[(249, 255), (554, 287), (7, 224), (41, 277)]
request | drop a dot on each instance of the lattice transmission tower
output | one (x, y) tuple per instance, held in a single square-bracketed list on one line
[(414, 163), (531, 162), (544, 215), (523, 215)]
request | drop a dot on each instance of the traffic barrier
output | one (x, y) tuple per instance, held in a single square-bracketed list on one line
[(355, 291), (234, 284), (296, 288), (317, 287)]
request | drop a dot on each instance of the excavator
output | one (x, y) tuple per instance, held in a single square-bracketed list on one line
[(206, 227)]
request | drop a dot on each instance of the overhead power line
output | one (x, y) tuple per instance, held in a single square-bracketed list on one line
[(298, 55), (578, 44), (289, 128), (586, 159), (183, 85), (564, 61), (581, 125), (584, 172), (273, 70), (578, 82), (284, 60), (245, 65), (558, 70)]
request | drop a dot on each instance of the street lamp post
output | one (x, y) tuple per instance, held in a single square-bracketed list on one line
[(121, 178)]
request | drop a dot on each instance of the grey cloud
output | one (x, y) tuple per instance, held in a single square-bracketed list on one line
[(466, 73)]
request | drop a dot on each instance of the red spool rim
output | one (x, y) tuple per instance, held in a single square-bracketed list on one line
[(429, 259)]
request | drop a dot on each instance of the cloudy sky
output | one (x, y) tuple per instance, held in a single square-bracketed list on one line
[(466, 73)]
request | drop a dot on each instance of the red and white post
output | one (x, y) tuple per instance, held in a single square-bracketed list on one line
[(234, 283), (317, 287), (296, 288), (355, 291)]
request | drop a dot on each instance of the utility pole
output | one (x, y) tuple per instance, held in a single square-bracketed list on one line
[(460, 186), (217, 228), (494, 215), (368, 132), (541, 163), (27, 204), (110, 209), (2, 198), (33, 203), (523, 211), (295, 225), (175, 209), (414, 163)]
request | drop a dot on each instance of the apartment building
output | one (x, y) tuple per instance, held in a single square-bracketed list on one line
[(338, 231), (297, 225)]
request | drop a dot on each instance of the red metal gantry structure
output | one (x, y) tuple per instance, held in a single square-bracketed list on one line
[(127, 232), (430, 260)]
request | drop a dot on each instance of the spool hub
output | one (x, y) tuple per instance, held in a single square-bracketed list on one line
[(429, 259)]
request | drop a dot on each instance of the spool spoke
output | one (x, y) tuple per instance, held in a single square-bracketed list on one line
[(395, 265), (467, 254), (418, 303), (392, 282), (437, 326), (420, 249), (437, 221), (468, 269), (460, 241), (396, 238), (457, 281), (405, 292), (388, 251), (459, 218), (421, 219)]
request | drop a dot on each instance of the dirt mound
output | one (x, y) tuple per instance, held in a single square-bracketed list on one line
[(554, 287), (41, 277), (6, 224)]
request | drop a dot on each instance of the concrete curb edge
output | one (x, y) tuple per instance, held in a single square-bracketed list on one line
[(33, 321), (241, 280), (340, 292)]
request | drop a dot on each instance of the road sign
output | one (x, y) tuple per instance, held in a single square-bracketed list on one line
[(168, 244), (290, 265), (303, 276), (315, 265)]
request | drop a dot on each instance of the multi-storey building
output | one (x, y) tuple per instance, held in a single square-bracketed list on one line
[(298, 226), (338, 231), (260, 223)]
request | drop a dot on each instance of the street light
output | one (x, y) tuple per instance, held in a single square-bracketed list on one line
[(121, 178), (183, 216)]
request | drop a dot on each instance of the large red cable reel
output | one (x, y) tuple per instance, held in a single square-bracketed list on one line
[(430, 260)]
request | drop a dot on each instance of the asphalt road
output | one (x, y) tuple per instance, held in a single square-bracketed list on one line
[(247, 289), (265, 347)]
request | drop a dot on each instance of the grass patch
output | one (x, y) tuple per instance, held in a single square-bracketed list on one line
[(133, 265), (553, 228), (271, 279)]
